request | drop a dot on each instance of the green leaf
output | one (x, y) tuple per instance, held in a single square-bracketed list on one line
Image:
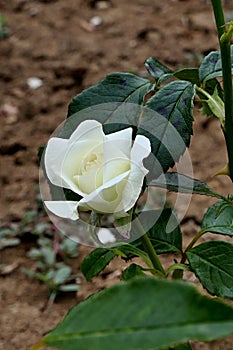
[(103, 102), (40, 152), (170, 130), (95, 262), (115, 87), (48, 255), (215, 104), (212, 262), (9, 242), (69, 247), (35, 253), (6, 232), (61, 275), (160, 72), (129, 251), (188, 74), (132, 271), (184, 184), (165, 234), (218, 218), (211, 66), (162, 237), (142, 314), (156, 69), (181, 347), (210, 86), (4, 28), (69, 288)]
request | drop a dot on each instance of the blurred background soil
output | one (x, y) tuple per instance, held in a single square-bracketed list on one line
[(70, 45)]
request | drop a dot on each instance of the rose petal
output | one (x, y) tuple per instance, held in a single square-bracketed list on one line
[(86, 138), (117, 148), (72, 164), (140, 150), (63, 157), (88, 130), (62, 160), (64, 209), (106, 198), (90, 181), (121, 139), (54, 155)]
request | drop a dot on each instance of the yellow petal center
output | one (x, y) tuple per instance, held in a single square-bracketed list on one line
[(90, 174)]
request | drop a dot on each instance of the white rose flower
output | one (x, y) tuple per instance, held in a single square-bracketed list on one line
[(105, 170)]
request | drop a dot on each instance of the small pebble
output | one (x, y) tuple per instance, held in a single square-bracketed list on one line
[(34, 83), (10, 112), (102, 5), (33, 11), (133, 43), (96, 21)]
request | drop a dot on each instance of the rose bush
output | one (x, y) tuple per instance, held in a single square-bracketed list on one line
[(107, 171)]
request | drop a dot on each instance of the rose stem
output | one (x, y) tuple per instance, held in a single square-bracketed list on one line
[(225, 49), (150, 249)]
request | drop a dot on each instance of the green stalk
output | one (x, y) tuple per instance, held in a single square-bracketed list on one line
[(150, 249), (178, 274), (224, 42), (194, 240)]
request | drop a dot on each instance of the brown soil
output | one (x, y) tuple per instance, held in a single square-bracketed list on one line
[(54, 41)]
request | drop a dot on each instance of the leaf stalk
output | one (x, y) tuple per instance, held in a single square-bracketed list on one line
[(150, 249)]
